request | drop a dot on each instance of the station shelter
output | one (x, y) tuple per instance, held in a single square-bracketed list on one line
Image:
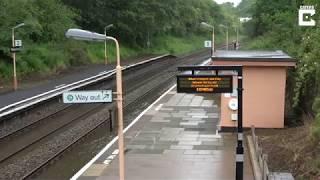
[(264, 84)]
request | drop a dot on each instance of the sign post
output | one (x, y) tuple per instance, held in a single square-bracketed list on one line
[(240, 151), (216, 84), (15, 49)]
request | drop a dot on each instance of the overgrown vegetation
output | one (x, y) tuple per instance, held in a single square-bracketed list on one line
[(274, 26), (43, 35), (138, 21), (142, 26), (161, 45)]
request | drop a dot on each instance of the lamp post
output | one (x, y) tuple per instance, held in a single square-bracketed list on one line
[(237, 31), (212, 43), (227, 35), (15, 81), (105, 43), (91, 36), (237, 39)]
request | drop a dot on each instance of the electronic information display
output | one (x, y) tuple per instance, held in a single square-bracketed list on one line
[(204, 84)]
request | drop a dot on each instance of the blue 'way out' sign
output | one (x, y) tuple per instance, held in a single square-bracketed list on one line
[(99, 96)]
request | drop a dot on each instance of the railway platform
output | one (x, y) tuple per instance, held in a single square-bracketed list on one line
[(31, 89), (176, 138), (28, 90)]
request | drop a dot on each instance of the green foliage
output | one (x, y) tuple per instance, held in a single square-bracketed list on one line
[(176, 45), (41, 58), (244, 8), (138, 21), (76, 52), (161, 45), (142, 26), (231, 16), (268, 15), (275, 26), (5, 71), (53, 19), (316, 128), (308, 74), (45, 22), (316, 106)]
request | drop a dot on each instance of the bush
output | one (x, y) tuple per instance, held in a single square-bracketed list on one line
[(5, 71), (43, 58), (316, 128), (76, 53)]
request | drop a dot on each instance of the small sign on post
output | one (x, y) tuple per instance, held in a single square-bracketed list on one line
[(17, 43), (15, 49), (100, 96), (207, 44)]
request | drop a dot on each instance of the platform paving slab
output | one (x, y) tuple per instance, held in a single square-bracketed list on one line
[(162, 146)]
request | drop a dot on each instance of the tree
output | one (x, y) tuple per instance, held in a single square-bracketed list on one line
[(46, 20), (245, 8), (276, 24), (137, 20)]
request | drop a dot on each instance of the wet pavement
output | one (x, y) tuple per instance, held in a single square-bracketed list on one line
[(176, 139)]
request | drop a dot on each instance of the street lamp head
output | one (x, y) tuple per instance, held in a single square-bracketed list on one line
[(206, 25), (19, 25), (224, 26), (80, 34), (109, 26)]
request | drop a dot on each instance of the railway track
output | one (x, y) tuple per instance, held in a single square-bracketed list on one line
[(157, 75), (24, 137), (43, 165), (107, 77), (26, 104)]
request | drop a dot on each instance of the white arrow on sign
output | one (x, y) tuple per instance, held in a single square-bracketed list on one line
[(100, 96)]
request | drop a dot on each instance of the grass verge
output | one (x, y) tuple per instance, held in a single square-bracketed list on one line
[(46, 59)]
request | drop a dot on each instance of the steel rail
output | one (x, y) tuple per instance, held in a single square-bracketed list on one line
[(12, 133), (36, 140)]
